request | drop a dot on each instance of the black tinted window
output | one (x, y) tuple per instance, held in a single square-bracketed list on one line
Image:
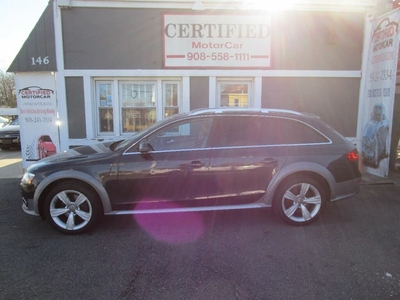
[(189, 134), (295, 132), (251, 130), (237, 131)]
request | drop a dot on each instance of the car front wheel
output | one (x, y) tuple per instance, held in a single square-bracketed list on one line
[(299, 201), (72, 208)]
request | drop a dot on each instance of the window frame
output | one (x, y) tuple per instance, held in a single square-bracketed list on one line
[(98, 106), (164, 95)]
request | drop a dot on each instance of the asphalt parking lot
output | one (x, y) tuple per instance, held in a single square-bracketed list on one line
[(351, 252)]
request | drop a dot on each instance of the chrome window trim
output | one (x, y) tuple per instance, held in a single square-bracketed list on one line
[(274, 146), (169, 151), (233, 147)]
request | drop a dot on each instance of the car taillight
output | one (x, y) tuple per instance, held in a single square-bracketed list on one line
[(353, 155)]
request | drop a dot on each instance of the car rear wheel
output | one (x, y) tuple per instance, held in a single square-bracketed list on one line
[(299, 201), (72, 208)]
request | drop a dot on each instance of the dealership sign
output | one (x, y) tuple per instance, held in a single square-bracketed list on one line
[(377, 96), (216, 41), (37, 108)]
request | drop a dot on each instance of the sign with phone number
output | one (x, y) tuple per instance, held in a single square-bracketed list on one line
[(378, 93), (38, 119), (216, 41)]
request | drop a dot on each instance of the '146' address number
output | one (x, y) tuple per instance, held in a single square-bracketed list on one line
[(39, 61)]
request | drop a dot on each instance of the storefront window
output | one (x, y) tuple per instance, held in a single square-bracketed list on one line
[(139, 104), (138, 109), (171, 96), (137, 119), (105, 107), (234, 94)]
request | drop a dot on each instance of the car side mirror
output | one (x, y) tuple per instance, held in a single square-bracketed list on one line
[(145, 147)]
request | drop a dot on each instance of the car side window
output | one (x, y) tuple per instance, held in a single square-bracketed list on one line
[(190, 134), (290, 131), (235, 131)]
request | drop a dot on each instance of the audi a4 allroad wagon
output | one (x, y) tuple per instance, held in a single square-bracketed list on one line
[(208, 159)]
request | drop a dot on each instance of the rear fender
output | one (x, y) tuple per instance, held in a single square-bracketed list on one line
[(299, 167)]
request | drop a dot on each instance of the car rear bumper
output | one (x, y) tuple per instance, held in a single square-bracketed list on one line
[(347, 188)]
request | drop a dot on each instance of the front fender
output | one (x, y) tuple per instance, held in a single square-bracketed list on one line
[(76, 175)]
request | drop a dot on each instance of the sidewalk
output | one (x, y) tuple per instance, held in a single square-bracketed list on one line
[(370, 179), (11, 168), (10, 164)]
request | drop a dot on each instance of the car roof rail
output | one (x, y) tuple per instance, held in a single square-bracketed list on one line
[(242, 110)]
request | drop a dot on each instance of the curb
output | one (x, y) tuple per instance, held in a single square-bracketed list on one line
[(370, 179)]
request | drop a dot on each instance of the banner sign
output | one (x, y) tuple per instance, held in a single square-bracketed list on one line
[(37, 106), (216, 41), (377, 98)]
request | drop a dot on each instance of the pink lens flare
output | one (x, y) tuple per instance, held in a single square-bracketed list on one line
[(172, 228)]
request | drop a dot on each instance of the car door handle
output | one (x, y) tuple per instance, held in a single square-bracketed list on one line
[(197, 164)]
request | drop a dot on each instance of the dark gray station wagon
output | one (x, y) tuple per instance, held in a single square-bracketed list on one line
[(210, 159)]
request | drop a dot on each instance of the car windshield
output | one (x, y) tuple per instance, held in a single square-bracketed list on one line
[(15, 122), (46, 138)]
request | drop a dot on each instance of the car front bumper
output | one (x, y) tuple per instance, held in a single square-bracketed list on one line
[(10, 141), (29, 207)]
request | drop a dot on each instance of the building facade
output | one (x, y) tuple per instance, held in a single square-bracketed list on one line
[(116, 67)]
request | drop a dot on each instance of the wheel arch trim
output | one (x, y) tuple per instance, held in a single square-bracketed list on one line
[(300, 167), (73, 175)]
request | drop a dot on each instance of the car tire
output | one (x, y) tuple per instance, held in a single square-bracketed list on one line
[(300, 200), (72, 207)]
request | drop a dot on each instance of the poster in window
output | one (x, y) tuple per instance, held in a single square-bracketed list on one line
[(105, 94)]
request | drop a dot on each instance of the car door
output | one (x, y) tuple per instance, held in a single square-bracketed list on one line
[(242, 161), (171, 164)]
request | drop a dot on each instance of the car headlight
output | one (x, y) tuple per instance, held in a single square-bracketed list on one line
[(27, 178)]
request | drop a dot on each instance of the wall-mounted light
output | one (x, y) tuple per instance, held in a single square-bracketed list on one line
[(198, 5)]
